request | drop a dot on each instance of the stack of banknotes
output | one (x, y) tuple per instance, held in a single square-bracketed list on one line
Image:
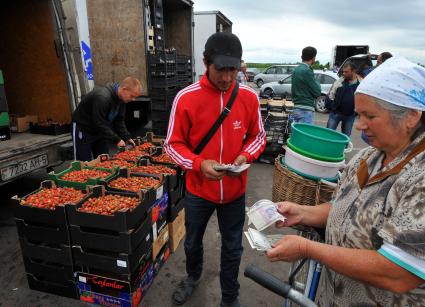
[(262, 214)]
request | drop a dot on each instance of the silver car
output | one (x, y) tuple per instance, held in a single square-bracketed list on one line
[(282, 88), (273, 73)]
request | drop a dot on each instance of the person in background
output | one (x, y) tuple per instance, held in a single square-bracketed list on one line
[(374, 254), (340, 101), (99, 119), (305, 89), (242, 76), (383, 57), (240, 139), (366, 68)]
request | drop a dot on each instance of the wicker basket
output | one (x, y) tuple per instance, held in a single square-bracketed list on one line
[(288, 186)]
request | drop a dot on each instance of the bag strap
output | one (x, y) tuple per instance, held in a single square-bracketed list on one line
[(363, 175), (218, 122)]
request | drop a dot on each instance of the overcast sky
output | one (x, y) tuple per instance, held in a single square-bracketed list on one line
[(276, 31)]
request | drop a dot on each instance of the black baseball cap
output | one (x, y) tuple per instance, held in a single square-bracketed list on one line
[(224, 50)]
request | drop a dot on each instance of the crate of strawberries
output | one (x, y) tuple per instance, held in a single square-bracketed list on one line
[(50, 127), (80, 176), (127, 181), (170, 173), (40, 215), (105, 161), (47, 204), (110, 210)]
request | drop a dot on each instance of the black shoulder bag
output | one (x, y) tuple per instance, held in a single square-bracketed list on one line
[(213, 129)]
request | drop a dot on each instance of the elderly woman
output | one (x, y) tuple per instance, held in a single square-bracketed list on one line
[(374, 253)]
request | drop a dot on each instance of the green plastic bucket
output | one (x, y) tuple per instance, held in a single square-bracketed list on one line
[(312, 155), (319, 141)]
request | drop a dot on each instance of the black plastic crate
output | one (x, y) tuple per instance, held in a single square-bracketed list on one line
[(55, 253), (172, 182), (155, 115), (51, 129), (131, 279), (162, 57), (164, 82), (161, 105), (67, 289), (119, 263), (159, 130), (53, 272), (160, 124), (175, 208), (121, 221), (54, 217), (4, 133), (160, 94), (158, 191), (123, 242), (43, 232)]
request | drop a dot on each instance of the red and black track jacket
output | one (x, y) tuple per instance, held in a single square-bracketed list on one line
[(195, 109)]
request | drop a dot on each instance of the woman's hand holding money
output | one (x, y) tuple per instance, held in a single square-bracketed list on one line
[(293, 213), (290, 248)]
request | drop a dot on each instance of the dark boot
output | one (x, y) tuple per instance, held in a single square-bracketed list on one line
[(235, 303), (184, 290)]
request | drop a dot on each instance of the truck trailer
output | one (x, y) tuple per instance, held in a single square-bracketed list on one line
[(52, 52)]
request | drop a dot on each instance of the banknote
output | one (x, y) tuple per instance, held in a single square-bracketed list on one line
[(260, 241), (232, 168), (263, 214)]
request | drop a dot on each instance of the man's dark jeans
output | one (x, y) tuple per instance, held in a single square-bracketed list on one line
[(346, 122), (231, 218)]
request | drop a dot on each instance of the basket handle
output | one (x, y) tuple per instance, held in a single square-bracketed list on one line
[(349, 148)]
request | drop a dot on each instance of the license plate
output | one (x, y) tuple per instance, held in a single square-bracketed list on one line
[(23, 167)]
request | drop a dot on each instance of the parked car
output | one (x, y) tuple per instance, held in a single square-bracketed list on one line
[(252, 72), (282, 88), (273, 73)]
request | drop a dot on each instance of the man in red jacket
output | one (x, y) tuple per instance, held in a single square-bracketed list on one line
[(240, 139)]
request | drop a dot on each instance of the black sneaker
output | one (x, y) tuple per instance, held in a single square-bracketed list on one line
[(235, 303), (184, 290)]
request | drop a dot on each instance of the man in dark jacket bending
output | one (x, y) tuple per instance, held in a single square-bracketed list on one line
[(99, 119)]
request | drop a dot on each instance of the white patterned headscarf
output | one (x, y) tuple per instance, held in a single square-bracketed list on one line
[(398, 82)]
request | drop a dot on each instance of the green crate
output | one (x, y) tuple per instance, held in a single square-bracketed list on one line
[(4, 119), (77, 166), (1, 78)]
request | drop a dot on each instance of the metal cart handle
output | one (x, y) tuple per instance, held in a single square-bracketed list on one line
[(277, 286)]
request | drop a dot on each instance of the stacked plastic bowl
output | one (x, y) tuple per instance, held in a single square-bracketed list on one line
[(315, 152)]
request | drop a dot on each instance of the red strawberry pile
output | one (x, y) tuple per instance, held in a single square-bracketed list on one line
[(134, 184), (50, 198), (84, 174), (109, 204), (163, 158), (154, 170), (115, 163)]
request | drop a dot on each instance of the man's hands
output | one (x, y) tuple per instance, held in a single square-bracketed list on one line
[(121, 143), (131, 142), (207, 168)]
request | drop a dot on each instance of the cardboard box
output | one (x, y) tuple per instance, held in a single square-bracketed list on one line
[(22, 123), (160, 242), (107, 291), (177, 231)]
